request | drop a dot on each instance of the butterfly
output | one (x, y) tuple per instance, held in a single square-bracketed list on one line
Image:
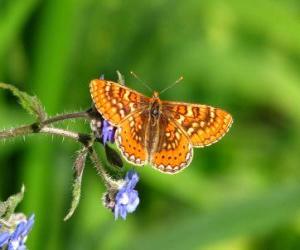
[(156, 132)]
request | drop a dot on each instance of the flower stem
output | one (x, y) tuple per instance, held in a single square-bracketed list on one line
[(108, 181), (82, 114), (41, 127), (24, 130)]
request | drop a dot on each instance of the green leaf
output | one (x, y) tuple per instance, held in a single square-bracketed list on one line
[(30, 103), (8, 207), (197, 230), (78, 167)]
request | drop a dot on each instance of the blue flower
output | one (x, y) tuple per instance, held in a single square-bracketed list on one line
[(16, 240), (103, 130), (4, 237), (108, 132), (127, 199)]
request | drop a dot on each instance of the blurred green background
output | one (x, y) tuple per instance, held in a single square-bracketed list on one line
[(244, 56)]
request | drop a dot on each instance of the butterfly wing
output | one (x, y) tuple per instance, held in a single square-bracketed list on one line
[(173, 151), (203, 124), (130, 138), (114, 101)]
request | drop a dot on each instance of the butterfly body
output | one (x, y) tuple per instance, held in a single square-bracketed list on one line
[(160, 133)]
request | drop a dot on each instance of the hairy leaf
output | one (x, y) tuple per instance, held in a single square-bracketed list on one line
[(30, 103), (79, 165), (8, 207)]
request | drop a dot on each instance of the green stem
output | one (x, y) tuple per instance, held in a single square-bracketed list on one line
[(42, 127), (108, 181), (82, 114), (24, 130)]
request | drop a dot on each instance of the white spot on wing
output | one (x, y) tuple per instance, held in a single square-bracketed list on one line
[(190, 111), (190, 131), (169, 168), (161, 167), (122, 112)]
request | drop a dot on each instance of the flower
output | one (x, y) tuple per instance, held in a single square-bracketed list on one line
[(102, 129), (4, 237), (127, 199), (108, 132), (16, 239)]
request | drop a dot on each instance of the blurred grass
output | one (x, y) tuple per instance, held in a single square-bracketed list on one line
[(14, 15), (234, 220), (241, 193)]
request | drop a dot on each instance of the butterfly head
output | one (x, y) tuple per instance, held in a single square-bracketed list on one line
[(155, 95), (154, 100), (155, 108)]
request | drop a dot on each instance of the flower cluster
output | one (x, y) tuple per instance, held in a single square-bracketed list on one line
[(108, 132), (103, 130), (15, 240), (124, 199), (127, 199)]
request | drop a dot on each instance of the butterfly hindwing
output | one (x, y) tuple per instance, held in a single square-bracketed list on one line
[(173, 151), (203, 124), (115, 101), (130, 138)]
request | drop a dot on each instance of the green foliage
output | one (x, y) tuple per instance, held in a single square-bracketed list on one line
[(242, 56), (8, 207), (78, 167), (30, 103), (234, 220)]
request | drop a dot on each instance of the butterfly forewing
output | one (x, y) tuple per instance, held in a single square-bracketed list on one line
[(203, 124), (114, 101), (130, 138), (173, 151)]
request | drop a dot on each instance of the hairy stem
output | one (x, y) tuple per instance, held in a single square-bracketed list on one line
[(60, 132), (83, 114), (41, 127), (108, 181), (24, 130)]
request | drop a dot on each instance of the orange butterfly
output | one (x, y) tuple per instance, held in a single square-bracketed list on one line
[(157, 132)]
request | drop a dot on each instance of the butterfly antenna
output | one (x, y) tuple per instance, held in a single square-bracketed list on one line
[(145, 84), (172, 85)]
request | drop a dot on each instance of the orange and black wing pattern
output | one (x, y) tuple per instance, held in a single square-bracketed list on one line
[(130, 138), (203, 124), (173, 151), (116, 102)]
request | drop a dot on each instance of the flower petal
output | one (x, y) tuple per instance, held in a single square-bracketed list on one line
[(4, 237), (127, 199), (108, 132), (28, 225), (19, 230), (132, 179)]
